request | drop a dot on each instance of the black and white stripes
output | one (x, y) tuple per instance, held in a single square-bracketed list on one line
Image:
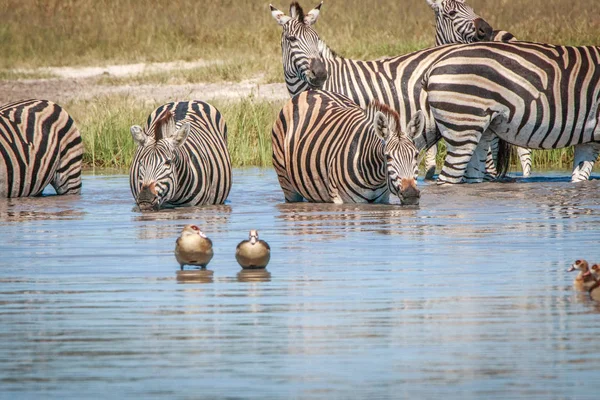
[(182, 157), (328, 149), (39, 145), (532, 95)]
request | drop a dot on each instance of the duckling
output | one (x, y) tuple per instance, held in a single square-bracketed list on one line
[(253, 253), (595, 291), (596, 271), (584, 280), (193, 247)]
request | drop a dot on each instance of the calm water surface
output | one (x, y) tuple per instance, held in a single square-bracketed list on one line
[(466, 296)]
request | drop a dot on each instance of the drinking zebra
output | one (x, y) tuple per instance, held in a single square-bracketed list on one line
[(328, 149), (39, 145), (534, 95), (308, 63), (453, 19), (181, 158)]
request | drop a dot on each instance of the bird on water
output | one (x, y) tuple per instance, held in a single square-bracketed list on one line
[(193, 247), (253, 253)]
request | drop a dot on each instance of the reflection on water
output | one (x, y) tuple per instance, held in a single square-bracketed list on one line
[(466, 295), (195, 276)]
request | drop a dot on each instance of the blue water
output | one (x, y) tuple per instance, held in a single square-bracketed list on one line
[(466, 296)]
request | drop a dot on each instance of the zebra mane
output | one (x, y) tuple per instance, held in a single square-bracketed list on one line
[(392, 116), (164, 126), (297, 11)]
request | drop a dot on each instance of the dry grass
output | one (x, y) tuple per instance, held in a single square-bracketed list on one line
[(67, 32)]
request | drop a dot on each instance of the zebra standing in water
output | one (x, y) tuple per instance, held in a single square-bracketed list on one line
[(308, 63), (450, 17), (182, 157), (39, 145), (531, 94), (331, 150)]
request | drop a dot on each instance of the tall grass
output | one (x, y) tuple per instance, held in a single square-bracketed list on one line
[(104, 124)]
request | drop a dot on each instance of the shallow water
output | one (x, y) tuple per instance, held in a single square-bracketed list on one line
[(465, 296)]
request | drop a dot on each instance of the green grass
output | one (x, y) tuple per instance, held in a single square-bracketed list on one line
[(104, 125)]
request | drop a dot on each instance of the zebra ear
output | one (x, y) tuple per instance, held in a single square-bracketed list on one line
[(313, 15), (435, 4), (181, 134), (279, 16), (416, 125), (382, 126), (138, 135)]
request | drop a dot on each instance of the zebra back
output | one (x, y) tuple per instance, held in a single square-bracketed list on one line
[(39, 145), (194, 171)]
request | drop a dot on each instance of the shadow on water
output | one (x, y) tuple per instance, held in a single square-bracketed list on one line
[(45, 208), (195, 276)]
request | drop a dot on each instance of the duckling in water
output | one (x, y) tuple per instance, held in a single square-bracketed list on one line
[(596, 271), (193, 247), (595, 291), (584, 280), (253, 253)]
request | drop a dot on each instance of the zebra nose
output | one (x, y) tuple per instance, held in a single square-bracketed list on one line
[(147, 199), (318, 72), (483, 30), (409, 192)]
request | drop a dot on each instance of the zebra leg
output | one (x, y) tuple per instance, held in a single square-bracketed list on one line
[(585, 156), (525, 158), (491, 160), (430, 161), (477, 169), (458, 156)]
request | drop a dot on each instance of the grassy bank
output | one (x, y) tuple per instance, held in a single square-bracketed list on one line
[(88, 32), (104, 125)]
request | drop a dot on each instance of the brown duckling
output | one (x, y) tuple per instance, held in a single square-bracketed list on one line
[(595, 271), (595, 291), (584, 280), (193, 247), (253, 253)]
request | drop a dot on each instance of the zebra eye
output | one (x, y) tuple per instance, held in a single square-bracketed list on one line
[(291, 38), (452, 13), (167, 163)]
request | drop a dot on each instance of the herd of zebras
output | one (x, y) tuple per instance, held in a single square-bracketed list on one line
[(353, 130)]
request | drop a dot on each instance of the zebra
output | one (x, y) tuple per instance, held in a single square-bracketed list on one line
[(39, 145), (308, 63), (451, 16), (181, 158), (534, 95), (328, 149)]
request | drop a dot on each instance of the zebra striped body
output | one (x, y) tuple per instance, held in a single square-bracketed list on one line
[(532, 95), (308, 63), (453, 25), (39, 145), (328, 149), (182, 157)]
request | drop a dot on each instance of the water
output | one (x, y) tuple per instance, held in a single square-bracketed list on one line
[(466, 296)]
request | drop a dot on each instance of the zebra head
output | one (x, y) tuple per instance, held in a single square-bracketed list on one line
[(400, 152), (153, 174), (303, 64), (456, 22)]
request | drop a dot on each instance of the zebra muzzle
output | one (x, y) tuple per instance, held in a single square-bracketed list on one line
[(147, 199), (483, 30), (409, 194), (317, 72)]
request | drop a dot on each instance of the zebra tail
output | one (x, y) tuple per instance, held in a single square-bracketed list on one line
[(505, 150)]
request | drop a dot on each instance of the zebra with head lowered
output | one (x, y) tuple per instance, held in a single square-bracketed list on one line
[(181, 158), (328, 149), (533, 95), (39, 145), (450, 17), (308, 63)]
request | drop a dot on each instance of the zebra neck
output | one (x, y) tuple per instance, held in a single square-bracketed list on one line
[(326, 51)]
